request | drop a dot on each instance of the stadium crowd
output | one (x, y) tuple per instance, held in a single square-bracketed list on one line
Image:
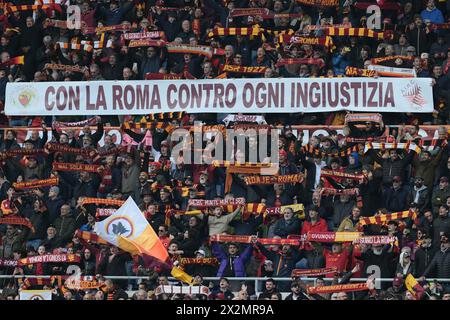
[(387, 180)]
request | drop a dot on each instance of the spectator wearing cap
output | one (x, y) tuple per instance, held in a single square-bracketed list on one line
[(419, 194), (441, 224), (395, 198), (405, 265), (222, 292), (440, 194), (425, 166), (396, 290)]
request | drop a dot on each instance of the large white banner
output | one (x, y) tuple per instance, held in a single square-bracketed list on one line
[(287, 95)]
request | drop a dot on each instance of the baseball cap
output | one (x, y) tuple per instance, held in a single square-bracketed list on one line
[(397, 179), (398, 281), (202, 252), (411, 49), (443, 179)]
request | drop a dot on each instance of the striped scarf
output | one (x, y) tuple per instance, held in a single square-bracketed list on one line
[(358, 32), (66, 166), (36, 184), (394, 145), (357, 72), (166, 116), (108, 202), (144, 124), (12, 9), (218, 32), (383, 218), (14, 220)]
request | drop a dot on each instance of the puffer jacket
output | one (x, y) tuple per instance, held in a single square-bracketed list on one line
[(239, 262), (440, 265), (65, 227)]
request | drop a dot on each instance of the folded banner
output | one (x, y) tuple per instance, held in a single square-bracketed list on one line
[(383, 218), (200, 203), (356, 72), (36, 184), (190, 290), (376, 240), (243, 69), (90, 236), (50, 258), (394, 145), (88, 122), (109, 202), (290, 178), (333, 236), (338, 288), (338, 174), (104, 212), (272, 95), (393, 72), (66, 166), (65, 67), (312, 272), (358, 32), (17, 221)]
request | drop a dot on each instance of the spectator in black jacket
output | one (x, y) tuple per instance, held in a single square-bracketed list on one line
[(288, 224), (395, 198)]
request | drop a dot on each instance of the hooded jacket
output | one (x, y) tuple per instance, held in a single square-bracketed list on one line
[(239, 261)]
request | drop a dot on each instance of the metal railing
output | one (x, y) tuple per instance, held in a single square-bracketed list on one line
[(258, 281)]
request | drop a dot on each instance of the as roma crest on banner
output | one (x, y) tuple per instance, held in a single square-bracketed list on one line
[(35, 295)]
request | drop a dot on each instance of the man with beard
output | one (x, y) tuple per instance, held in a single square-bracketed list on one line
[(440, 265), (419, 194), (440, 194), (423, 255), (378, 260), (440, 224), (425, 166)]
